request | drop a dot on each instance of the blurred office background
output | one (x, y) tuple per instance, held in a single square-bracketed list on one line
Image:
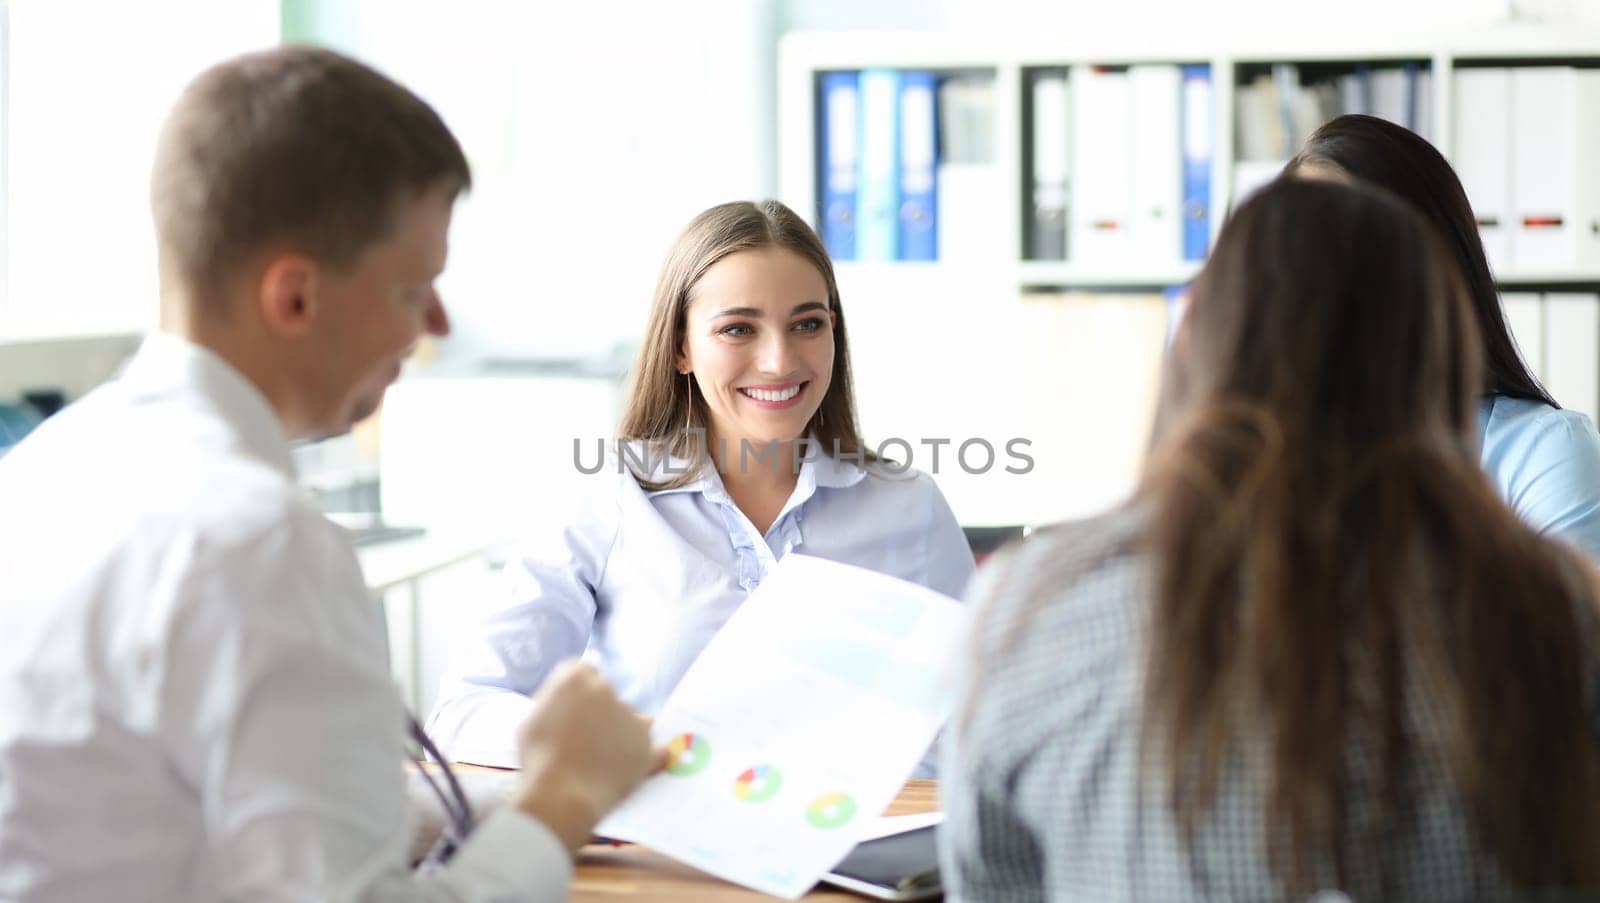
[(597, 130)]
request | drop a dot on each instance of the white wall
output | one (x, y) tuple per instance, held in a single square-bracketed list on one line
[(88, 84), (595, 130)]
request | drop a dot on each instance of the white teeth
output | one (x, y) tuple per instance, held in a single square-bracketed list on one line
[(768, 395)]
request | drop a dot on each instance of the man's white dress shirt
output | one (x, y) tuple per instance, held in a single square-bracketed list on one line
[(194, 698)]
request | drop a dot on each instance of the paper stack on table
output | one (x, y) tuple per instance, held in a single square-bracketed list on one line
[(798, 724)]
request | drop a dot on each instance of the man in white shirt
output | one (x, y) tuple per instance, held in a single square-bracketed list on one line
[(194, 700)]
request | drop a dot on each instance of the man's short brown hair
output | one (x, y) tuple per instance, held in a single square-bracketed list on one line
[(297, 147)]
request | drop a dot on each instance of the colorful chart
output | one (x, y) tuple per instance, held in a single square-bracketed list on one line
[(758, 783), (831, 810), (687, 754)]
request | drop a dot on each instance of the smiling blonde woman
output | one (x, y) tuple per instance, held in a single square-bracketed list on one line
[(740, 445)]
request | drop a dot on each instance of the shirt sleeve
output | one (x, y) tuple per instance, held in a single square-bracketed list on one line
[(547, 618), (986, 851), (277, 707), (1555, 486), (950, 562)]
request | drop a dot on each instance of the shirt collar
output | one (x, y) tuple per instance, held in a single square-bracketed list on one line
[(834, 473), (819, 469), (166, 364)]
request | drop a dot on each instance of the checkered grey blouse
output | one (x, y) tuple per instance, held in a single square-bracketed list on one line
[(1042, 793)]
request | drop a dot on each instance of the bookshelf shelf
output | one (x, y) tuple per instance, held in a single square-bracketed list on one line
[(1011, 62), (1583, 276)]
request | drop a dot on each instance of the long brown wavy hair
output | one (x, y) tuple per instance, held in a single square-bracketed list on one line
[(663, 407), (1330, 559)]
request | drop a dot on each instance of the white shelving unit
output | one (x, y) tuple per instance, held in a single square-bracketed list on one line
[(1065, 353), (803, 55)]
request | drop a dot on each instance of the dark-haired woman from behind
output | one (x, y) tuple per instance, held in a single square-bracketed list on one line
[(1316, 651), (1544, 460)]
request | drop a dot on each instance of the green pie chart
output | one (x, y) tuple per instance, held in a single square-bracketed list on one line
[(831, 810), (687, 754)]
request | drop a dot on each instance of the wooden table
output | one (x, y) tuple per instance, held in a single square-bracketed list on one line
[(613, 873)]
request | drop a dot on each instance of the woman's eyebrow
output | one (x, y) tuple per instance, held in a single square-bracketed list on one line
[(757, 313)]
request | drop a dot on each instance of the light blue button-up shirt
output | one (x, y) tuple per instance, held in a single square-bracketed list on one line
[(1546, 463), (639, 581)]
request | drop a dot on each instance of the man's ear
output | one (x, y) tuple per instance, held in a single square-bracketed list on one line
[(288, 294)]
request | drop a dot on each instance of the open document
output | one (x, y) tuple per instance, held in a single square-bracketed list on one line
[(797, 725)]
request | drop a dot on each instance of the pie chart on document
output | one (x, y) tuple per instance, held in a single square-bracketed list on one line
[(687, 754), (757, 784)]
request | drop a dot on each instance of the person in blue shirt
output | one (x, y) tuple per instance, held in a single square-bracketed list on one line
[(738, 445), (1544, 460)]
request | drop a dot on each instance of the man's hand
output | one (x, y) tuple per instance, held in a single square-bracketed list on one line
[(582, 752)]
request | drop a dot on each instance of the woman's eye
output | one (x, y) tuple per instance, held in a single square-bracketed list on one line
[(736, 330), (810, 324)]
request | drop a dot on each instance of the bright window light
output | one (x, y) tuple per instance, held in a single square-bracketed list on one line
[(88, 84)]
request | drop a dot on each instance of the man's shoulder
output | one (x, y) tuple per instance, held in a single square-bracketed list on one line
[(151, 468), (139, 527)]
